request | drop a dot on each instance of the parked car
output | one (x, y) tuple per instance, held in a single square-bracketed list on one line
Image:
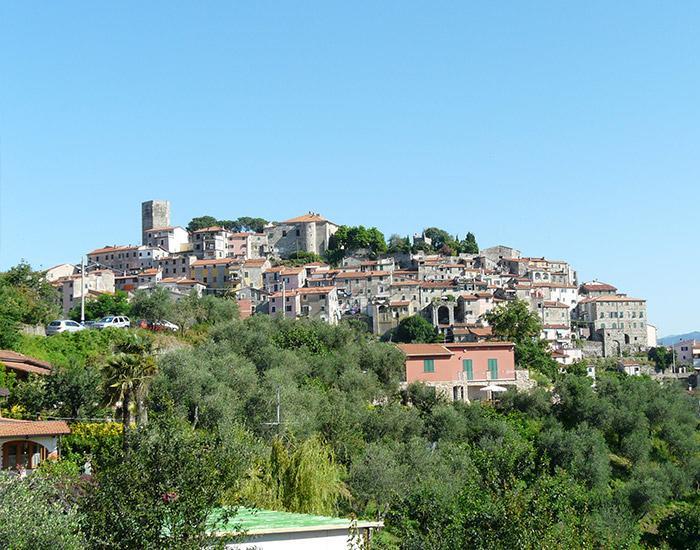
[(89, 324), (113, 322), (63, 325), (157, 326), (164, 325)]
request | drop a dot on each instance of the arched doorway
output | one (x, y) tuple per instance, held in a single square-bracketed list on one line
[(444, 315), (22, 453)]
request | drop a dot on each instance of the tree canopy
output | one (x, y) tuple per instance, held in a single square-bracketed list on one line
[(244, 223)]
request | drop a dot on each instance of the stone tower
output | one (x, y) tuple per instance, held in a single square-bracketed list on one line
[(154, 214)]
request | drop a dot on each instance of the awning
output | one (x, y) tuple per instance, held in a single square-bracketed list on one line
[(493, 388)]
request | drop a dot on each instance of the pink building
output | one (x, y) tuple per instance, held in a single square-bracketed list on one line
[(462, 371)]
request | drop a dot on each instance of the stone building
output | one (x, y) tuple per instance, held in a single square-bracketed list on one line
[(154, 214), (308, 233), (616, 320)]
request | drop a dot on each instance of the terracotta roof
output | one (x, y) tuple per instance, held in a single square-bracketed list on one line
[(424, 350), (181, 281), (22, 363), (310, 217), (598, 287), (559, 305), (437, 284), (257, 262), (151, 271), (23, 428), (400, 303), (405, 283), (213, 228), (556, 326), (476, 345), (317, 290), (552, 285), (221, 261), (112, 249)]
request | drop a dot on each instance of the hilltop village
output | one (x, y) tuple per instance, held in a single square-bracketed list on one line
[(308, 266)]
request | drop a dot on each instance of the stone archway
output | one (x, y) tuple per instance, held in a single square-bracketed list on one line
[(444, 315)]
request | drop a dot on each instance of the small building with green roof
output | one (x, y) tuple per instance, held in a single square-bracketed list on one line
[(272, 530)]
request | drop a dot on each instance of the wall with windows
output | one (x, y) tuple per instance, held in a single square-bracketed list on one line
[(467, 361)]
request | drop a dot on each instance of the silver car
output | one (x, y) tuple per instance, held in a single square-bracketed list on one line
[(63, 325), (113, 321)]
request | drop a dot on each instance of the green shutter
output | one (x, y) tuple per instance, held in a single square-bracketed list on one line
[(428, 365), (468, 368), (493, 368)]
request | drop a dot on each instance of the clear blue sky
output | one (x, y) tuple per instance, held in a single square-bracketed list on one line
[(568, 130)]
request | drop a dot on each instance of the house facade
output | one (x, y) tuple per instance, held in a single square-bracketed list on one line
[(461, 371)]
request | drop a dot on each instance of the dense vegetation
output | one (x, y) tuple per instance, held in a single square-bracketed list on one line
[(195, 427)]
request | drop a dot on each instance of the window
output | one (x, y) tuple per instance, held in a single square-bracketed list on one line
[(467, 367), (274, 309), (428, 365), (289, 308), (493, 369), (284, 233)]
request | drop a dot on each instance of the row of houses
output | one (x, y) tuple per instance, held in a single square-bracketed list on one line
[(453, 292)]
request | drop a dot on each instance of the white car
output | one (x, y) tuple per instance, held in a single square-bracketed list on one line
[(113, 322), (63, 325)]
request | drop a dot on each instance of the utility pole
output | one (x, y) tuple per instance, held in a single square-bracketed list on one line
[(82, 289)]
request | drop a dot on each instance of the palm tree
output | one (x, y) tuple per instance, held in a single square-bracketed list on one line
[(128, 375)]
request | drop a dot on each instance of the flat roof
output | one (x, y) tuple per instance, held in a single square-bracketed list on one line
[(259, 522)]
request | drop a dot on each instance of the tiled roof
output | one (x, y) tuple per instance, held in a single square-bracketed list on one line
[(310, 217), (480, 345), (212, 229), (317, 290), (598, 287), (25, 428), (22, 363), (400, 303), (112, 249), (221, 261), (424, 350), (555, 305), (257, 262)]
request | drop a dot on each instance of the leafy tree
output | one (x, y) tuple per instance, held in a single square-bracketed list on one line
[(680, 528), (243, 223), (468, 245), (305, 480), (201, 222), (34, 515), (661, 356), (398, 244), (152, 305), (25, 297), (159, 494), (515, 322), (415, 329), (102, 306), (348, 239)]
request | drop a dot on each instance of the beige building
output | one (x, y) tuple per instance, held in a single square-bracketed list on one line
[(95, 283), (308, 233)]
